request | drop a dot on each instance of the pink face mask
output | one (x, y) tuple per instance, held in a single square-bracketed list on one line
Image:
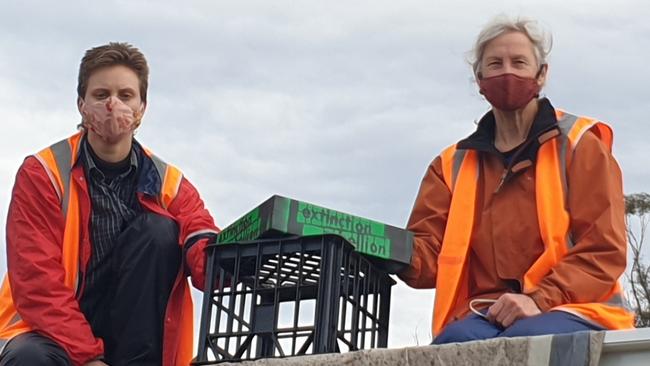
[(111, 120)]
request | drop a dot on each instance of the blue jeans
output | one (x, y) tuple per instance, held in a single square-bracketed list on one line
[(474, 327)]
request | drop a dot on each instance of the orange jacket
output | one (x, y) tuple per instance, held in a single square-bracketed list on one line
[(469, 204), (49, 248)]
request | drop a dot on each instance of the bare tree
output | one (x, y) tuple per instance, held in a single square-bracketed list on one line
[(637, 209)]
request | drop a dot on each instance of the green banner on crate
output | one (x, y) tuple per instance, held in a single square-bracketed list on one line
[(280, 215)]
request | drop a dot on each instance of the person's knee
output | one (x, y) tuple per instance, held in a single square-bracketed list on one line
[(471, 328), (159, 228), (455, 332), (31, 349), (156, 233)]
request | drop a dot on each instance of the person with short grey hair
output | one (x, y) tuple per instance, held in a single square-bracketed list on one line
[(541, 40), (520, 226)]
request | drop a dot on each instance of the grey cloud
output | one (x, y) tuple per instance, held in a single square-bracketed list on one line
[(338, 103)]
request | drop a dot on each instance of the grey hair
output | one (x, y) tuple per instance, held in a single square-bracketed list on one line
[(541, 39)]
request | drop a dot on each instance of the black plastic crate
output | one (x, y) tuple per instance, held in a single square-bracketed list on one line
[(291, 296)]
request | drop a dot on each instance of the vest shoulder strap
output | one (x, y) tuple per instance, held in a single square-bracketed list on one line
[(171, 178), (452, 160), (57, 160), (574, 127)]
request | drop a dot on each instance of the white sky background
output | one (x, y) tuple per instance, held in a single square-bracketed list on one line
[(338, 103)]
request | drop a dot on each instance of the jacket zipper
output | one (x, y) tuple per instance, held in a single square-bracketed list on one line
[(501, 181)]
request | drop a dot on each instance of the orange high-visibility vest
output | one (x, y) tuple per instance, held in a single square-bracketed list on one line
[(460, 173), (58, 160)]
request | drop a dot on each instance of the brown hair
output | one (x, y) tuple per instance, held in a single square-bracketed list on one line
[(114, 53)]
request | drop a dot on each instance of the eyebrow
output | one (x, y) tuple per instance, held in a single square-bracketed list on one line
[(513, 57), (97, 89), (102, 88), (493, 58)]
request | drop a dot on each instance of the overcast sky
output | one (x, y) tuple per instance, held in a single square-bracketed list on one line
[(339, 103)]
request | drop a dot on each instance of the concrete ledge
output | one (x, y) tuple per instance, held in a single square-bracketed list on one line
[(624, 348)]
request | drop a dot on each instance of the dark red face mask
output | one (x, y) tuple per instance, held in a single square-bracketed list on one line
[(509, 92)]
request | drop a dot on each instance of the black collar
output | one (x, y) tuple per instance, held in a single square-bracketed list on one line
[(544, 128), (148, 179), (104, 169)]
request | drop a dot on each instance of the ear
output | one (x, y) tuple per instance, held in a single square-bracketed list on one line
[(139, 114), (541, 75), (80, 102), (477, 79)]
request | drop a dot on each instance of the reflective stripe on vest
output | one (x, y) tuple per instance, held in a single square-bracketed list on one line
[(57, 161), (460, 172), (170, 176)]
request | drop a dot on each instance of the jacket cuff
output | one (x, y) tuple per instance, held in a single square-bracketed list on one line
[(410, 274), (196, 262), (541, 299), (80, 359)]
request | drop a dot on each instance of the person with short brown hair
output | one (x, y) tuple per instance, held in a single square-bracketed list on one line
[(101, 236), (114, 53)]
